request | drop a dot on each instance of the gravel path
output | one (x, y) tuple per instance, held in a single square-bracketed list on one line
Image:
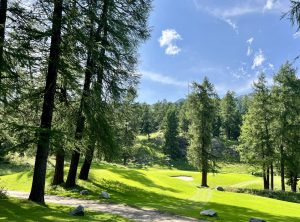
[(132, 213)]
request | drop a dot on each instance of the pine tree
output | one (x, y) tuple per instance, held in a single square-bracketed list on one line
[(39, 175), (201, 114), (286, 127), (256, 142), (171, 146), (230, 116)]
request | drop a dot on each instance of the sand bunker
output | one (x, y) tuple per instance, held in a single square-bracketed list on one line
[(185, 178)]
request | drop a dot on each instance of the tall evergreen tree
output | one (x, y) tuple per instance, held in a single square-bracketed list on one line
[(171, 146), (201, 114), (286, 127), (230, 116), (256, 141), (39, 175)]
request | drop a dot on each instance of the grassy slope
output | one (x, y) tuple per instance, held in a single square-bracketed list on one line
[(22, 210), (155, 188)]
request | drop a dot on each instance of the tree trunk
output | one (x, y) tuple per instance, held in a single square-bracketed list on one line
[(265, 178), (3, 10), (272, 176), (204, 179), (85, 169), (71, 179), (39, 175), (58, 177), (268, 177), (282, 168), (294, 183)]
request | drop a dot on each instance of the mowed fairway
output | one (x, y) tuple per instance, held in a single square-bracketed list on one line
[(159, 189)]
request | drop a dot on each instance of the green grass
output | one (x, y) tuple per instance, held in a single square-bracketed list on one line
[(156, 188), (22, 210)]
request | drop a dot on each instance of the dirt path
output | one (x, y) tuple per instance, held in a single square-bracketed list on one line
[(132, 213)]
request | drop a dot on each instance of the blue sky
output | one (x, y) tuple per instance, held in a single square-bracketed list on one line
[(229, 41)]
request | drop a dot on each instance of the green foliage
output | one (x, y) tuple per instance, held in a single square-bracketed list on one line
[(201, 115), (230, 116), (255, 137), (171, 145)]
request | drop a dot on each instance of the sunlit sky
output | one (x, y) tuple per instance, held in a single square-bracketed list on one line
[(230, 42)]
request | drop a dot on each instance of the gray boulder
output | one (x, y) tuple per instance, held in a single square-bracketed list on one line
[(219, 188), (256, 220), (84, 192), (105, 195), (210, 213), (78, 211)]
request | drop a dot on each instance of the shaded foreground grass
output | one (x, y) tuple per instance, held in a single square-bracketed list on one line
[(22, 210), (156, 188)]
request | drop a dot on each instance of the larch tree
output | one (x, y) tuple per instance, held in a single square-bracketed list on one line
[(201, 115), (286, 126), (230, 116), (256, 141), (39, 176), (171, 145)]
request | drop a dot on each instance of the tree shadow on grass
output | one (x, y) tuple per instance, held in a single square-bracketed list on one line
[(122, 193), (139, 177), (14, 210)]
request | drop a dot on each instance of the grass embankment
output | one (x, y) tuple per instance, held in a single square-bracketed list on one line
[(156, 188), (22, 210)]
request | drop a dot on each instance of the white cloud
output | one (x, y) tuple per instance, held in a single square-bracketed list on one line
[(271, 66), (296, 35), (249, 49), (232, 24), (259, 59), (241, 8), (163, 79), (167, 39), (249, 41), (172, 50), (269, 5)]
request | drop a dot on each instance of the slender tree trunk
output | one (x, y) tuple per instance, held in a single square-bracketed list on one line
[(39, 175), (71, 179), (58, 177), (3, 10), (204, 167), (85, 169), (272, 176), (102, 26), (294, 182), (282, 168), (268, 177), (265, 178)]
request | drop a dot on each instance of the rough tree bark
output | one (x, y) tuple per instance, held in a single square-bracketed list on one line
[(39, 175), (58, 177), (85, 169)]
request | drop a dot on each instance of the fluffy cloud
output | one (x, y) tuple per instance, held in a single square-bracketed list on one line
[(259, 59), (167, 39)]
